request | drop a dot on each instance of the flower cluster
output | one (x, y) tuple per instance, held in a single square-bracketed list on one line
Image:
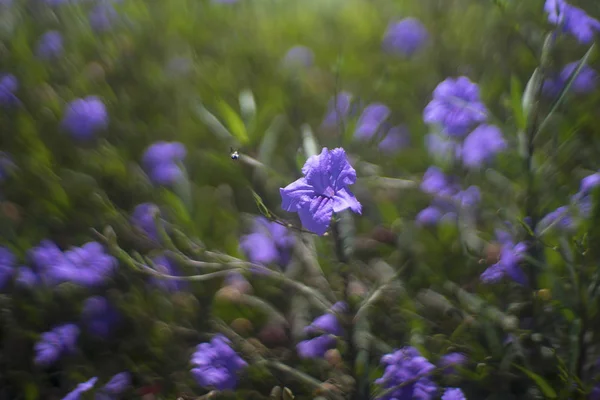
[(407, 365), (50, 45), (322, 191), (572, 20), (85, 117), (448, 200), (216, 364), (8, 86), (456, 108), (327, 326), (88, 265), (373, 121), (511, 255), (161, 162), (269, 243), (54, 344), (405, 37), (99, 316)]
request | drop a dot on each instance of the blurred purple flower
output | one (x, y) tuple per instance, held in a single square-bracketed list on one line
[(482, 145), (585, 82), (338, 110), (572, 20), (442, 146), (452, 359), (429, 216), (453, 394), (50, 45), (370, 121), (161, 162), (99, 316), (316, 347), (102, 17), (216, 364), (560, 219), (90, 265), (299, 56), (469, 197), (436, 183), (339, 307), (405, 37), (8, 87), (80, 389), (407, 365), (143, 219), (165, 266), (54, 344), (397, 138), (589, 183), (7, 266), (115, 387), (26, 277), (456, 106), (269, 243), (511, 255), (326, 323), (84, 117), (322, 191)]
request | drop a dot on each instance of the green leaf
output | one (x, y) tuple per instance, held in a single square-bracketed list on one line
[(516, 91), (541, 382), (234, 122), (531, 90), (309, 142), (261, 205)]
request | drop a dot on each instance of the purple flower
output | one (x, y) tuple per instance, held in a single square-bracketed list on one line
[(161, 162), (143, 218), (85, 117), (371, 119), (585, 82), (482, 145), (451, 359), (397, 138), (327, 323), (511, 255), (322, 191), (8, 87), (216, 364), (405, 37), (429, 216), (166, 267), (453, 394), (90, 265), (50, 45), (469, 197), (560, 219), (442, 146), (102, 17), (115, 387), (80, 389), (7, 266), (338, 110), (269, 243), (99, 316), (403, 365), (572, 20), (316, 347), (26, 277), (435, 182), (456, 106), (54, 344), (589, 183), (299, 56)]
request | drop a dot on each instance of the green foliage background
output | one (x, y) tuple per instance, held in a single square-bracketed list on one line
[(166, 61)]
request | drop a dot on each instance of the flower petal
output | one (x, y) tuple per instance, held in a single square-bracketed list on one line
[(316, 215), (344, 199), (295, 194)]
